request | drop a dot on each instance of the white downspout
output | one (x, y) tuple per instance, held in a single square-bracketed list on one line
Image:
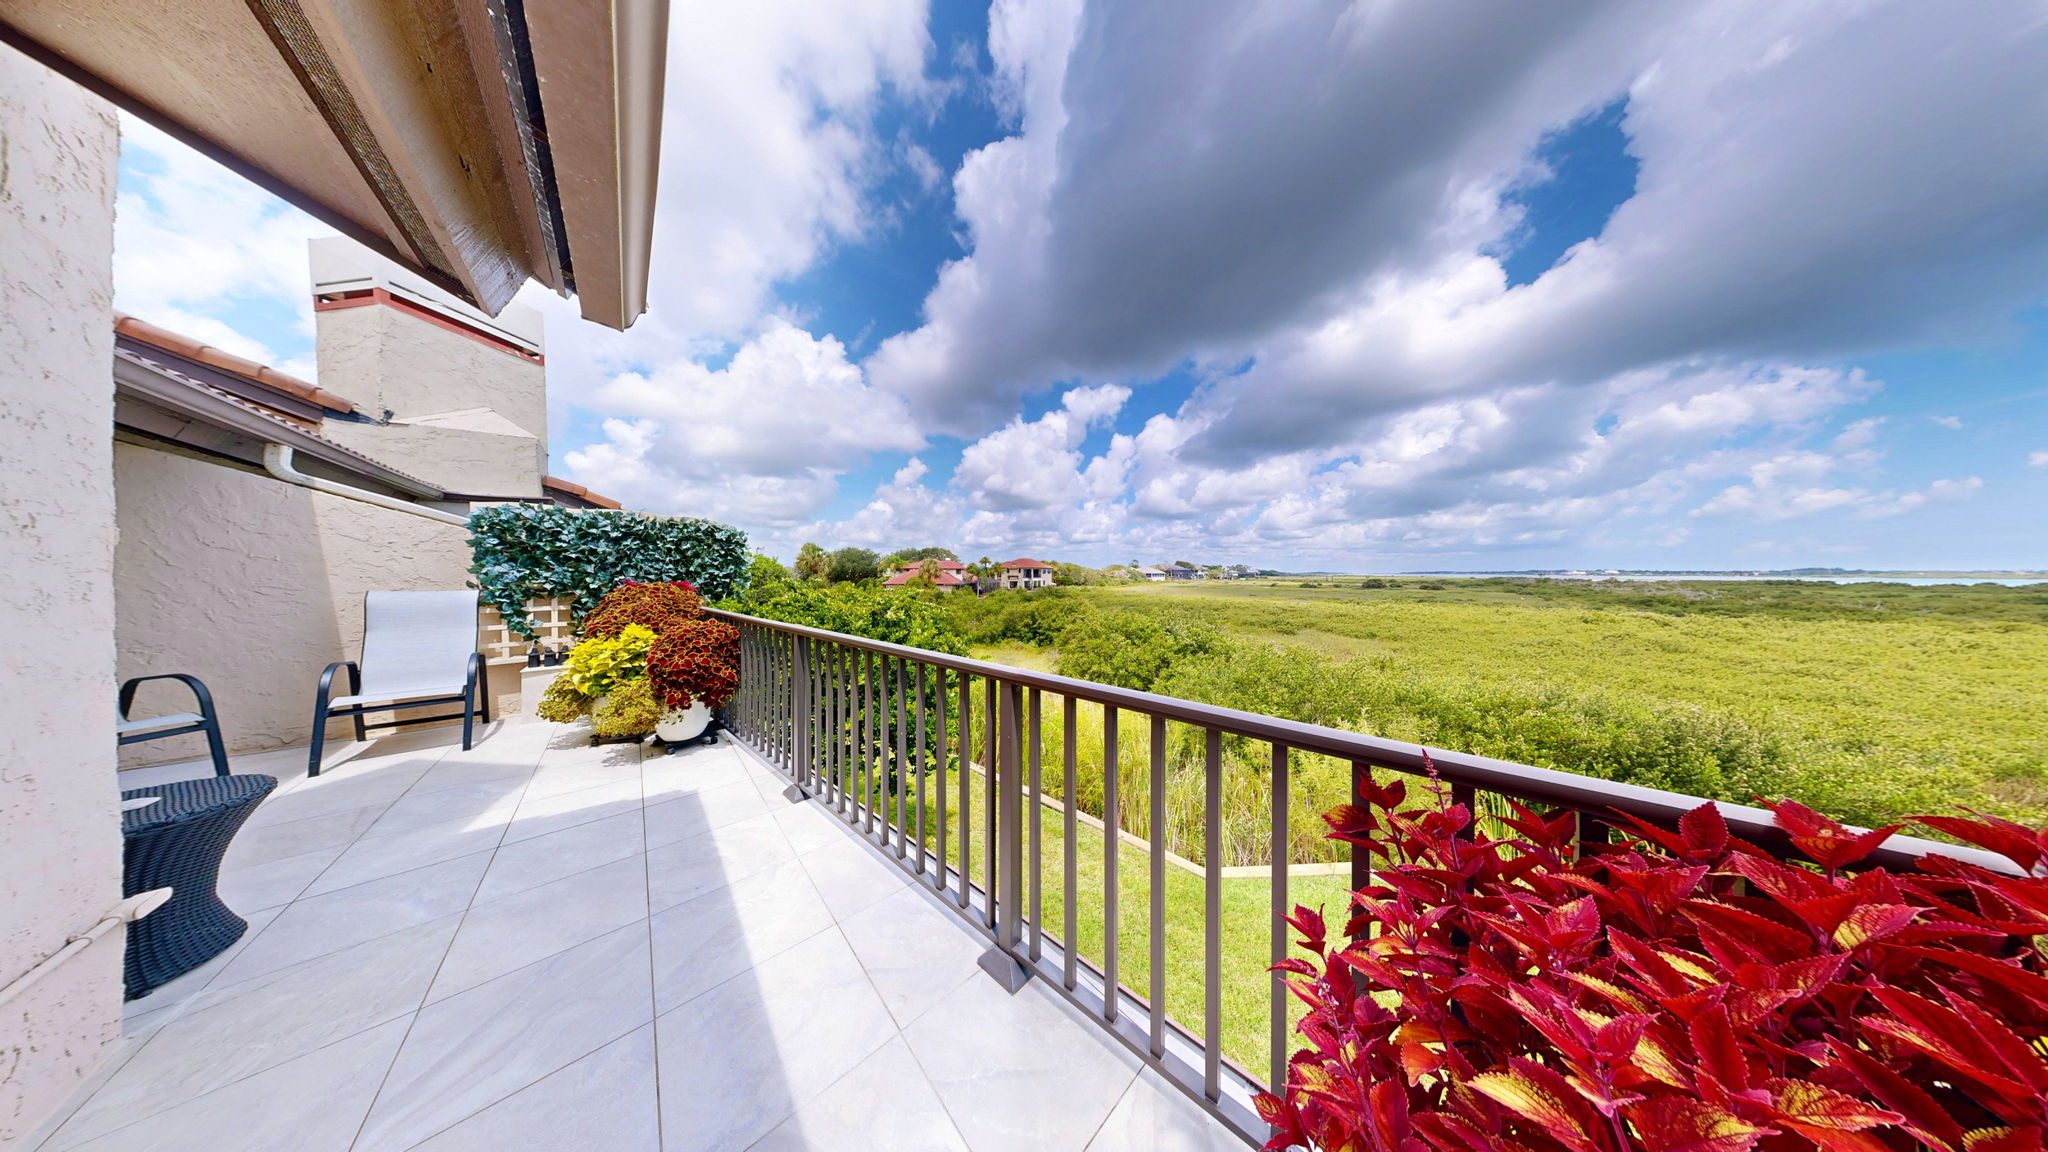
[(277, 460), (127, 911)]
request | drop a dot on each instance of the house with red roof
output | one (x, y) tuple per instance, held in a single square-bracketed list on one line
[(1026, 573), (945, 574)]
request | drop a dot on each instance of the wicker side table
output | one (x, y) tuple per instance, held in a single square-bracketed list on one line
[(178, 843)]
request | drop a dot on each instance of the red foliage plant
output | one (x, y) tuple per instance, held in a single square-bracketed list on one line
[(1677, 992), (696, 660), (658, 605)]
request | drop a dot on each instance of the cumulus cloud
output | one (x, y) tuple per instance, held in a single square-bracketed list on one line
[(2037, 459), (193, 243), (1036, 464), (763, 436), (1314, 190)]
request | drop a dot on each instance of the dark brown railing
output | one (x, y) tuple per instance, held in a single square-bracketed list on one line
[(872, 730)]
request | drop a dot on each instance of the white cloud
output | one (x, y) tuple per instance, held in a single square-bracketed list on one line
[(2037, 459), (1036, 464), (762, 438), (1249, 194), (193, 241), (1952, 423)]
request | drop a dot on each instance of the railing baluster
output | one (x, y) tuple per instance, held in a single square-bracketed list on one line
[(1112, 822), (870, 733), (1212, 911), (966, 792), (1155, 815), (1282, 850), (1071, 941), (920, 765), (1034, 810), (899, 788), (942, 692), (841, 754), (990, 735)]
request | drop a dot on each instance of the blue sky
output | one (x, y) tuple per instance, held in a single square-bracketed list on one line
[(1336, 286)]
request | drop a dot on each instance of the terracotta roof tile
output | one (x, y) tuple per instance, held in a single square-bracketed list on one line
[(579, 491), (213, 357)]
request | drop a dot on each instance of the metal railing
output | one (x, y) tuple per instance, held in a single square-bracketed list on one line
[(902, 742)]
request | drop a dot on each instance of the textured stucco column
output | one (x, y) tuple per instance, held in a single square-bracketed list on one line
[(60, 844)]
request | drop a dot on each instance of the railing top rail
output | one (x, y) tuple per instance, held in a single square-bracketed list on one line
[(1521, 781)]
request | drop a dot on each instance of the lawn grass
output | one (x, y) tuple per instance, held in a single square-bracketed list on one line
[(1245, 922)]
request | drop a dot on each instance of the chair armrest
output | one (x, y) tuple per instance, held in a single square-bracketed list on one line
[(198, 687), (355, 679)]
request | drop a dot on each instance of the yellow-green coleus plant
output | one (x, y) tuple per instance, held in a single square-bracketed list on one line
[(596, 667)]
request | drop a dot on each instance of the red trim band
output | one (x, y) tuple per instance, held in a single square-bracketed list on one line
[(357, 298)]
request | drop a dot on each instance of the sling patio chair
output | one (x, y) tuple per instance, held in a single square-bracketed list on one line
[(138, 729), (419, 649)]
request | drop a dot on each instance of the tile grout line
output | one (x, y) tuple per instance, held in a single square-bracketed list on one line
[(653, 996)]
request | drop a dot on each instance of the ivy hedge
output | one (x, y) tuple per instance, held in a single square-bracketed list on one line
[(530, 551)]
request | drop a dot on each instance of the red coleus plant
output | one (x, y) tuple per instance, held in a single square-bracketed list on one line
[(1682, 991), (695, 661), (658, 605)]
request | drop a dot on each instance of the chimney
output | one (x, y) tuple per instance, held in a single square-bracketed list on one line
[(466, 393)]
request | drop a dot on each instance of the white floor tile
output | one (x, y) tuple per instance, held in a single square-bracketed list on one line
[(742, 1057), (224, 1036), (476, 1048), (532, 863), (311, 1104), (914, 952), (524, 927), (851, 877), (318, 925), (694, 813), (883, 1105), (690, 867), (1155, 1117), (542, 815), (376, 856), (604, 1102), (703, 942), (1001, 1074)]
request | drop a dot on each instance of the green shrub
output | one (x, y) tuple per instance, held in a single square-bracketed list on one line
[(852, 564), (527, 551), (1133, 651), (1036, 617), (628, 710), (893, 615), (764, 570)]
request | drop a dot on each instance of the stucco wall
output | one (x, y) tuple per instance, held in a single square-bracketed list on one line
[(381, 357), (254, 586), (60, 845)]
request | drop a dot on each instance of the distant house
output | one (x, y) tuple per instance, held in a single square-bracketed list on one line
[(1182, 572), (1148, 572), (1025, 574), (950, 574)]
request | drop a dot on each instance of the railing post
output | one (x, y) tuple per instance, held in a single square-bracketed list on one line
[(800, 684), (1361, 860), (1006, 886)]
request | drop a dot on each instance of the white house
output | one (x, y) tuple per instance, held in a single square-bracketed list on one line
[(1025, 573), (1148, 572)]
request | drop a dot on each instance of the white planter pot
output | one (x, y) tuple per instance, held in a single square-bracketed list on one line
[(683, 724)]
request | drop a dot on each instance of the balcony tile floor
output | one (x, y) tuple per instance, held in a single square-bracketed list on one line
[(539, 944)]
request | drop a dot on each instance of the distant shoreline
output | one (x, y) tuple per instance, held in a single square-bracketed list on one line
[(1764, 574)]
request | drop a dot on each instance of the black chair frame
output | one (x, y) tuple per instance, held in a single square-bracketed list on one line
[(475, 700), (209, 720)]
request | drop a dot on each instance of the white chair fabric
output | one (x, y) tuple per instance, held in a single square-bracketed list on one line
[(152, 723), (415, 644)]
